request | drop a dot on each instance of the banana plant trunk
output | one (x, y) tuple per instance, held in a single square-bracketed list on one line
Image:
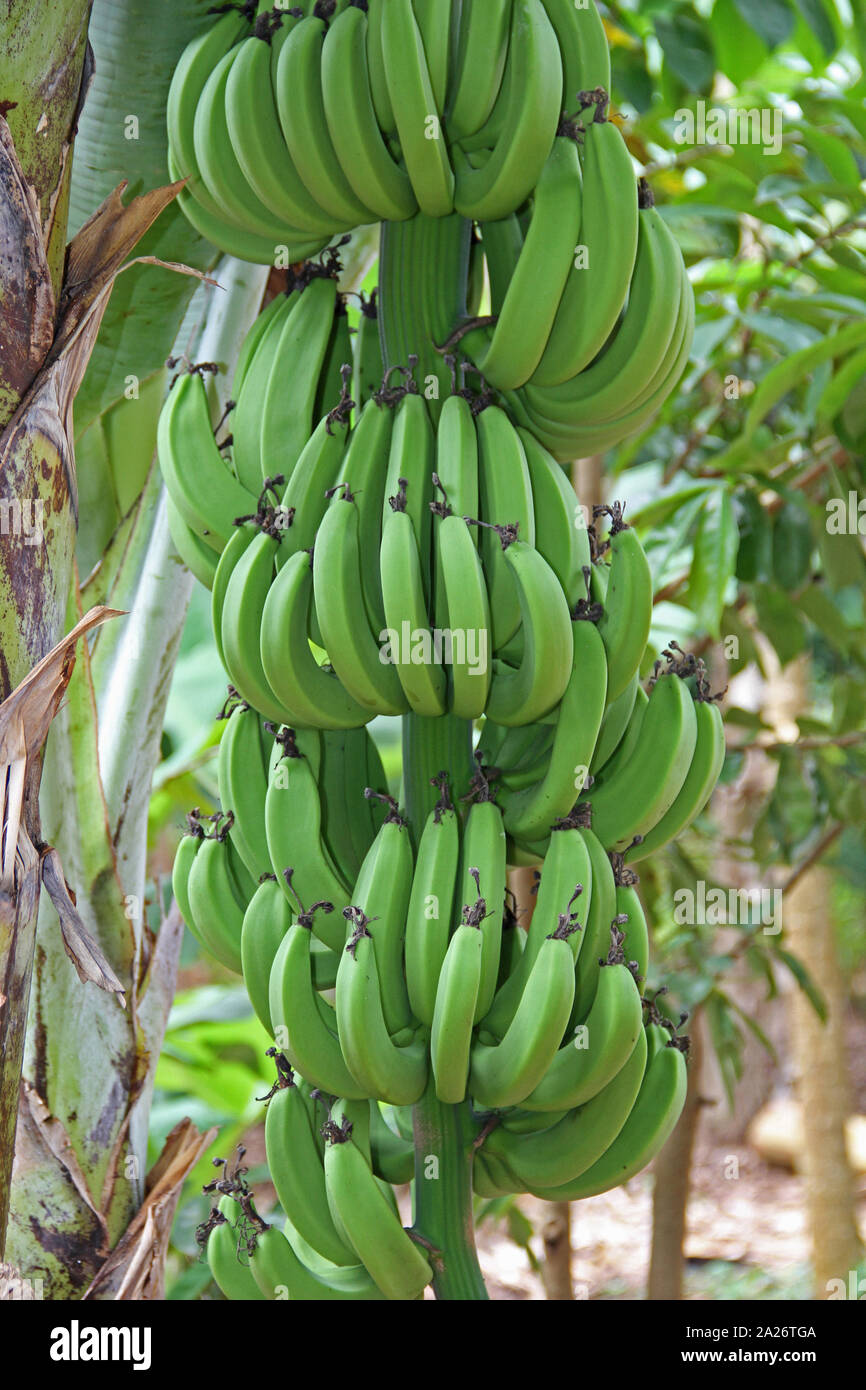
[(43, 47)]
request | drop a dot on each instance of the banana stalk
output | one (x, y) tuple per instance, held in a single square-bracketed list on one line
[(413, 256)]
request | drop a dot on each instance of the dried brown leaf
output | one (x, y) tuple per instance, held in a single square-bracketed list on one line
[(135, 1269), (80, 946)]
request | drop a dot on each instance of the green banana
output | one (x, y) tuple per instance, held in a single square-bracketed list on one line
[(701, 778), (393, 1260), (318, 467), (482, 53), (615, 721), (240, 621), (633, 800), (598, 282), (304, 1025), (530, 813), (224, 178), (583, 46), (561, 533), (407, 624), (374, 176), (301, 110), (415, 106), (456, 1001), (482, 875), (280, 1273), (625, 622), (506, 501), (504, 178), (312, 696), (381, 1069), (185, 853), (560, 1154), (597, 928), (381, 893), (231, 1274), (645, 1132), (638, 346), (504, 1074), (217, 910), (195, 553), (586, 1063), (410, 470), (293, 827), (208, 497), (391, 1156), (242, 777), (431, 905), (364, 477), (507, 354), (250, 393), (464, 614), (298, 1175), (260, 148), (566, 879), (525, 694), (266, 921), (338, 591), (288, 415)]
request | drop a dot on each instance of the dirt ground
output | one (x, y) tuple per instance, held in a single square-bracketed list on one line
[(746, 1237)]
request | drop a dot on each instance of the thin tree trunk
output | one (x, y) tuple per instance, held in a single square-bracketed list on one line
[(823, 1087), (556, 1269), (673, 1171)]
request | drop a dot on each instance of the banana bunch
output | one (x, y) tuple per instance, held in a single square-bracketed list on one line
[(292, 126), (608, 379), (592, 311), (532, 1028), (341, 1238), (302, 338), (443, 569)]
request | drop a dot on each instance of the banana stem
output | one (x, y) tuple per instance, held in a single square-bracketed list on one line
[(423, 267), (444, 1136), (423, 272), (431, 746)]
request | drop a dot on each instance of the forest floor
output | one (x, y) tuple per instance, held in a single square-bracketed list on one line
[(746, 1236)]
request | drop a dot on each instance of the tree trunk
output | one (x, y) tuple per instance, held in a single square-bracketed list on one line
[(673, 1170), (823, 1086)]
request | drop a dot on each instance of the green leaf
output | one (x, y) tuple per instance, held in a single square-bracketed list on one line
[(773, 20), (820, 609), (688, 48), (805, 981), (659, 511), (841, 385), (780, 622), (815, 14), (789, 373), (754, 1028), (739, 52), (715, 558)]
